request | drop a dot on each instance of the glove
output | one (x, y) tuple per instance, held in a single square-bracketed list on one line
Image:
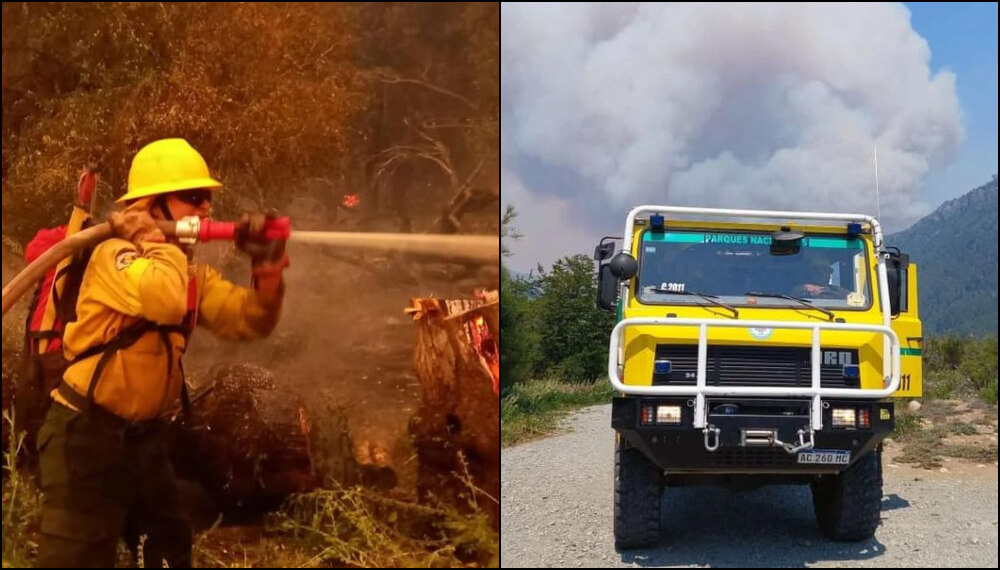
[(267, 256), (135, 226), (250, 239)]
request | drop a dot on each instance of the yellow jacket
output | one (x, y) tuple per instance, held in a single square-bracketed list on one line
[(125, 284)]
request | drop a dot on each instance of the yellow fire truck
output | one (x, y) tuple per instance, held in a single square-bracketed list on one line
[(752, 348)]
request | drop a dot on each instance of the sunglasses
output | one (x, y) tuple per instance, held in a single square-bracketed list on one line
[(195, 197)]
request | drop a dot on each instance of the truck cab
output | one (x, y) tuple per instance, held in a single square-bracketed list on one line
[(756, 347)]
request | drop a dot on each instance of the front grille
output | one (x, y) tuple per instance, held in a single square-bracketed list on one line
[(750, 457), (787, 367)]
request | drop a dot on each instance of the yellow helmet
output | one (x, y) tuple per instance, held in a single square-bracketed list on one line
[(168, 165)]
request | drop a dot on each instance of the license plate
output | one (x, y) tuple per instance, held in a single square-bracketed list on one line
[(825, 457)]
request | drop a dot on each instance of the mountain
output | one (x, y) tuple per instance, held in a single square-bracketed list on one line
[(955, 249)]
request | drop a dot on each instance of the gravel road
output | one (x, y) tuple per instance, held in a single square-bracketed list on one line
[(556, 495)]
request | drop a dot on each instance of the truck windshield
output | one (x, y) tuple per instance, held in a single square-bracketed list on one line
[(828, 270)]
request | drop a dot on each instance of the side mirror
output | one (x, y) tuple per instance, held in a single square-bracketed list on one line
[(624, 266), (611, 273), (607, 288), (896, 264), (786, 242), (603, 251)]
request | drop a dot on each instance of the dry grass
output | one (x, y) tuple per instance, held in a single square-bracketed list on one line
[(333, 527), (533, 409), (949, 428), (21, 507)]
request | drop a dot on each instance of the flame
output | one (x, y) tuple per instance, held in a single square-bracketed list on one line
[(480, 321), (351, 200)]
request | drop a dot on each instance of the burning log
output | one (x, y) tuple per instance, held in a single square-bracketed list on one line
[(244, 441), (250, 444), (457, 363)]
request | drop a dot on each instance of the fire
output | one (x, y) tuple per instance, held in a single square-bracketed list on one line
[(351, 200)]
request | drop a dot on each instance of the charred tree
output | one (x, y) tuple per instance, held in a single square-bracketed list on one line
[(457, 427)]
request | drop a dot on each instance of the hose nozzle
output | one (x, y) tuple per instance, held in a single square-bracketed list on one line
[(192, 229)]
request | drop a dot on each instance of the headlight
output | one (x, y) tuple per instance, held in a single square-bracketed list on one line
[(843, 417), (660, 414), (668, 414)]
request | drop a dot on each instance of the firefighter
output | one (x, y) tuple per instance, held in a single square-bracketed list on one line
[(104, 468), (818, 283)]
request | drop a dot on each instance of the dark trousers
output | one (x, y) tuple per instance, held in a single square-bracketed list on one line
[(102, 479)]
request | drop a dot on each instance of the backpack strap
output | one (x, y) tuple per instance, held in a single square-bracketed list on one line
[(123, 340), (40, 335), (127, 338)]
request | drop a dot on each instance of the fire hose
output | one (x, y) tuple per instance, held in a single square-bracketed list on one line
[(473, 249)]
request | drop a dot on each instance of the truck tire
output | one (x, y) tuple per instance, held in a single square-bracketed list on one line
[(638, 489), (848, 505)]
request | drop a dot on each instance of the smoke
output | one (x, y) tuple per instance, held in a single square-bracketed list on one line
[(607, 106), (344, 344)]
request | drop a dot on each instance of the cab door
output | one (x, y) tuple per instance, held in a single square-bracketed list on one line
[(906, 323)]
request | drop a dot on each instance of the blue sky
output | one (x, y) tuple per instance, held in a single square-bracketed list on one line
[(963, 38)]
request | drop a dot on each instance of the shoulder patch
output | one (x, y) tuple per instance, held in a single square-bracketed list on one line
[(125, 258)]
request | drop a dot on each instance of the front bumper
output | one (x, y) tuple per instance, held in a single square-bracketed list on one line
[(682, 448)]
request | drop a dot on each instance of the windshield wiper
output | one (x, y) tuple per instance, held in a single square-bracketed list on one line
[(709, 298), (802, 302)]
